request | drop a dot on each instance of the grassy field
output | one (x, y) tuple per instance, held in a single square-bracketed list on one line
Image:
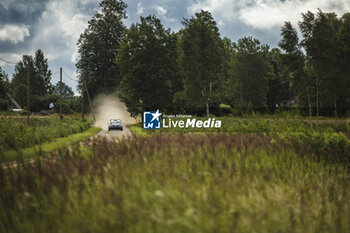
[(252, 175), (178, 183), (16, 134), (234, 125), (46, 147), (330, 139)]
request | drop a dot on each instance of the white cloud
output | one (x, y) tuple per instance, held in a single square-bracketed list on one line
[(160, 10), (14, 33), (223, 8), (272, 13), (140, 8), (10, 57), (55, 31), (267, 14), (61, 22), (58, 30)]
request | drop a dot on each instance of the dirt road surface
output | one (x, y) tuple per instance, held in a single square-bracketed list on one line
[(115, 134), (110, 107)]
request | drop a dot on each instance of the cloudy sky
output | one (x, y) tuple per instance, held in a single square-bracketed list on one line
[(55, 25)]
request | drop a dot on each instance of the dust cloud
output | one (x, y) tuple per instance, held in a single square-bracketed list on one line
[(110, 107)]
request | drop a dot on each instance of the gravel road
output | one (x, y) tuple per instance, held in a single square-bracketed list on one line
[(115, 134)]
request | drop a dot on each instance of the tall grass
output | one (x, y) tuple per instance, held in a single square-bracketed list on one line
[(327, 140), (177, 183), (16, 134), (257, 126)]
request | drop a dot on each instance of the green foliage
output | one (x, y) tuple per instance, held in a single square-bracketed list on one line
[(67, 91), (201, 60), (39, 103), (4, 104), (320, 78), (42, 69), (39, 77), (279, 93), (98, 47), (250, 71), (4, 87), (290, 39), (330, 145), (344, 47), (185, 183), (16, 134), (59, 143), (4, 84), (147, 60), (328, 140)]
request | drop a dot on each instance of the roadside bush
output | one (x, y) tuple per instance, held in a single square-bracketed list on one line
[(327, 140), (39, 103), (330, 145), (15, 134), (4, 105)]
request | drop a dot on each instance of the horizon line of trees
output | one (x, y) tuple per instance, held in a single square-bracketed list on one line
[(42, 91), (196, 71)]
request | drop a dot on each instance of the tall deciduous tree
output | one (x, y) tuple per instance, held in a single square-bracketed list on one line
[(19, 81), (250, 74), (320, 41), (344, 54), (294, 59), (201, 59), (147, 60), (42, 69), (279, 92), (98, 47)]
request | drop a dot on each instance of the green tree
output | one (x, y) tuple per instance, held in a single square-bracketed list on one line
[(294, 59), (279, 92), (229, 50), (19, 81), (147, 60), (67, 92), (4, 87), (201, 60), (4, 84), (321, 43), (344, 53), (98, 46), (249, 75), (42, 69)]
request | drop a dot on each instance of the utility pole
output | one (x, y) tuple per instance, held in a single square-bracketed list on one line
[(87, 92), (61, 92), (28, 94)]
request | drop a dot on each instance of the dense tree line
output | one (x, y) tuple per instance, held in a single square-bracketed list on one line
[(196, 71), (42, 91), (318, 62)]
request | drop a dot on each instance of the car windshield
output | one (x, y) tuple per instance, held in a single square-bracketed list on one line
[(115, 121)]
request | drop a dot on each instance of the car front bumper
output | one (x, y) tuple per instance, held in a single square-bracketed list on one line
[(115, 127)]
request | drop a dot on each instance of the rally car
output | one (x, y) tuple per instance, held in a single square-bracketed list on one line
[(115, 124)]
